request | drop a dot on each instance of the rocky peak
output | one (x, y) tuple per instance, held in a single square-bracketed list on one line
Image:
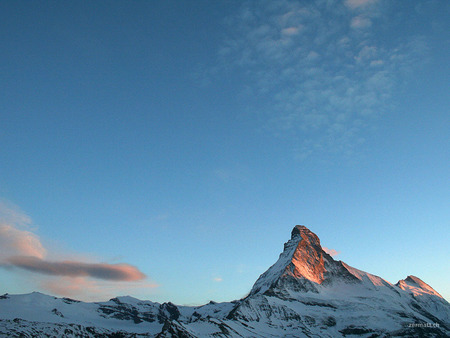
[(301, 259), (301, 230), (307, 259)]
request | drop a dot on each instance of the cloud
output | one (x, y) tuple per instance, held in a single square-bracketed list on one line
[(16, 239), (217, 279), (15, 242), (22, 249), (70, 287), (87, 289), (318, 74), (290, 31), (360, 22), (114, 272), (331, 252), (11, 214)]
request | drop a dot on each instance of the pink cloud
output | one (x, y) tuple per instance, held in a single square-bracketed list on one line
[(113, 272), (71, 287), (83, 288), (331, 252), (15, 242)]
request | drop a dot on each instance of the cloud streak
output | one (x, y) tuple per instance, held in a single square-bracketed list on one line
[(113, 272)]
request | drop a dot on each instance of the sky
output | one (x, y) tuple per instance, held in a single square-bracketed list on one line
[(166, 149)]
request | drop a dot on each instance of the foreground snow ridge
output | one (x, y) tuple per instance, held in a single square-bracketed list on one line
[(306, 293)]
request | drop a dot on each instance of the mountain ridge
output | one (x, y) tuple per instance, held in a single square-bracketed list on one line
[(305, 293)]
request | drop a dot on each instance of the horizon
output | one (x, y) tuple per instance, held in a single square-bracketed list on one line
[(165, 150)]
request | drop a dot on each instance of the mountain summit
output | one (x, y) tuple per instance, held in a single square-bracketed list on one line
[(302, 258), (306, 293), (304, 265)]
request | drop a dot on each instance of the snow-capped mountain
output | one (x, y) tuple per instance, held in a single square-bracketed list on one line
[(306, 293)]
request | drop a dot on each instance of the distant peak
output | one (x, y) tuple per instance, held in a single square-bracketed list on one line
[(416, 286), (415, 280)]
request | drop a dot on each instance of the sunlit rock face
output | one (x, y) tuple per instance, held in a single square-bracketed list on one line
[(307, 260), (300, 263)]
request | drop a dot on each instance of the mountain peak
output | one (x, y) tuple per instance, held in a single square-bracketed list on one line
[(301, 230), (416, 286), (301, 259), (304, 265)]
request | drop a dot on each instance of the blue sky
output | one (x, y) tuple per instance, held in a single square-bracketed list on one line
[(165, 149)]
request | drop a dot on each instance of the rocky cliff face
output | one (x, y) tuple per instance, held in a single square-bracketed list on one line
[(302, 266), (306, 293), (307, 261)]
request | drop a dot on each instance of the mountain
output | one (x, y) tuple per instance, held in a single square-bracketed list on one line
[(306, 293)]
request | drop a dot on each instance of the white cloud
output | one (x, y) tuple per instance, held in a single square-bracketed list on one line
[(217, 279), (322, 82), (11, 214), (360, 22)]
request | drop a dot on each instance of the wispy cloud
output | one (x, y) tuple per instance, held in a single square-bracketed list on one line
[(16, 237), (360, 21), (217, 279), (21, 248), (321, 68), (16, 242), (87, 289), (331, 252), (11, 214)]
